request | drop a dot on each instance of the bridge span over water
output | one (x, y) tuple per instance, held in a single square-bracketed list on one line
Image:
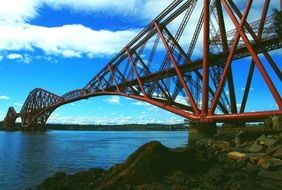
[(183, 62)]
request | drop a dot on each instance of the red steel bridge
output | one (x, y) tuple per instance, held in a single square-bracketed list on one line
[(183, 62)]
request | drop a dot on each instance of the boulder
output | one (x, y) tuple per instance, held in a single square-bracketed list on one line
[(272, 175), (269, 163), (251, 169), (267, 141), (221, 146), (236, 155), (179, 177), (180, 187), (153, 161), (278, 139), (215, 176), (277, 152), (254, 157), (256, 147), (151, 186)]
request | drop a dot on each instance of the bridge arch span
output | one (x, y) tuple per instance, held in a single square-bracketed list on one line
[(39, 120), (163, 61)]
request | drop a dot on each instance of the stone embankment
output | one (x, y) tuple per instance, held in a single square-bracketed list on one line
[(210, 163)]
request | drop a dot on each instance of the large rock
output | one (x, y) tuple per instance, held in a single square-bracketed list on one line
[(277, 152), (152, 161), (82, 180), (256, 147), (274, 175), (215, 176), (205, 165), (236, 155), (267, 141), (179, 177), (254, 157), (222, 146), (269, 163), (150, 186)]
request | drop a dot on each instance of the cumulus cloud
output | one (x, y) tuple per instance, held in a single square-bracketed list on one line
[(3, 97), (116, 7), (15, 11), (113, 100), (18, 104), (14, 56), (72, 40), (111, 120), (243, 89), (68, 40), (76, 40), (141, 104), (19, 57)]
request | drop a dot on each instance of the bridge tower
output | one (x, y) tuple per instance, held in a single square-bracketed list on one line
[(203, 72), (10, 119)]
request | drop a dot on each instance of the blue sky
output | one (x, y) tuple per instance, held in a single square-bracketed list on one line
[(61, 45), (43, 55)]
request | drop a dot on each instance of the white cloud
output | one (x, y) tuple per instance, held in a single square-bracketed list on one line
[(3, 97), (155, 108), (113, 100), (243, 89), (72, 40), (111, 120), (181, 100), (18, 104), (14, 56), (68, 40), (19, 58), (76, 40), (70, 53), (15, 11), (141, 104), (118, 6)]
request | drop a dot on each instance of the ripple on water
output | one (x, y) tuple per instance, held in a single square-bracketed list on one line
[(28, 158)]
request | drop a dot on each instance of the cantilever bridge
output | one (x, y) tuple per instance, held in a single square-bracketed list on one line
[(185, 54)]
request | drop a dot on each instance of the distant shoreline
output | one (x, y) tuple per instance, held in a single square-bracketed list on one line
[(127, 127)]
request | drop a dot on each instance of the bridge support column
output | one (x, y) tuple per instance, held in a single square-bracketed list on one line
[(35, 128), (274, 122), (9, 123), (201, 130), (10, 119)]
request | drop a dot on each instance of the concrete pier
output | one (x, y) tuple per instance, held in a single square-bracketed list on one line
[(200, 130)]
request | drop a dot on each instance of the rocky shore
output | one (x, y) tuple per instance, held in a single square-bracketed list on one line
[(210, 163)]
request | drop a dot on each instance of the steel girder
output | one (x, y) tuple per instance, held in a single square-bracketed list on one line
[(162, 67)]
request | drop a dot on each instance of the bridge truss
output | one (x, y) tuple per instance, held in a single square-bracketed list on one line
[(184, 62)]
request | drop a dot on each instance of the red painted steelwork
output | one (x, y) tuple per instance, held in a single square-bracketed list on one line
[(206, 50), (162, 67)]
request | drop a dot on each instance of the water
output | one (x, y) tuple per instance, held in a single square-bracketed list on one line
[(26, 159)]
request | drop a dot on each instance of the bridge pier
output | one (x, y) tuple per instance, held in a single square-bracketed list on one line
[(9, 123), (198, 130), (274, 122), (35, 128), (10, 119)]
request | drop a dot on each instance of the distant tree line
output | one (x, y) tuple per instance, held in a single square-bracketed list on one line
[(125, 127)]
